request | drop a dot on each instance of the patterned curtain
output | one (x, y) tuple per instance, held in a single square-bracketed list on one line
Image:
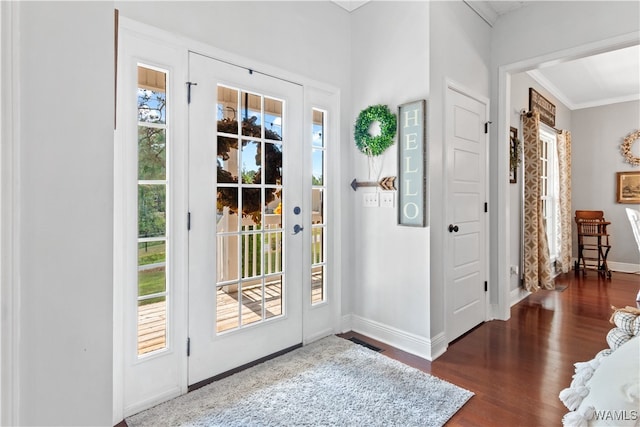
[(564, 163), (537, 263)]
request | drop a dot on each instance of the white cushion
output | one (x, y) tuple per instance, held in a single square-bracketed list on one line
[(614, 388)]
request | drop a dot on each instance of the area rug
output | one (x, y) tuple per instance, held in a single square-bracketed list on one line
[(332, 382)]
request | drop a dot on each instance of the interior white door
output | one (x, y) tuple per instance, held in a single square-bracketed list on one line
[(466, 263), (245, 199)]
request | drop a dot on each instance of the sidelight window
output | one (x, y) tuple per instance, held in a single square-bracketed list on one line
[(153, 197), (318, 212)]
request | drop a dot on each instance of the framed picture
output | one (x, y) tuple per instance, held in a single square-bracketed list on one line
[(541, 104), (513, 155), (412, 164), (628, 187)]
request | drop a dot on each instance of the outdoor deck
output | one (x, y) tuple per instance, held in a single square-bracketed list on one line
[(152, 319)]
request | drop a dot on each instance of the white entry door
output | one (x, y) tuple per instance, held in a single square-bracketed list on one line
[(245, 203), (466, 240)]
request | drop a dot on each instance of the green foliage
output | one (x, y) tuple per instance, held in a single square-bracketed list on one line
[(151, 153), (375, 145), (151, 210)]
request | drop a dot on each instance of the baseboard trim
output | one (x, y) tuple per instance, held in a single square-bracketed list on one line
[(347, 323), (623, 267), (517, 295), (317, 336), (230, 372), (406, 341), (152, 401)]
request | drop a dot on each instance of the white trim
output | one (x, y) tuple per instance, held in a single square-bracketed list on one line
[(484, 11), (10, 284), (622, 267), (502, 309), (128, 398), (346, 323), (545, 83), (406, 341), (607, 101), (152, 401), (319, 315), (317, 336), (517, 295), (350, 5)]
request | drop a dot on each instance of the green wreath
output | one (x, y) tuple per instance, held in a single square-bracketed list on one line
[(375, 145)]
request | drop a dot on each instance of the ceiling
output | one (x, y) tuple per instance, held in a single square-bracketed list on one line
[(592, 81)]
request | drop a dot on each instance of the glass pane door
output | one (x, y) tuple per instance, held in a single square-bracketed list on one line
[(249, 204), (245, 259)]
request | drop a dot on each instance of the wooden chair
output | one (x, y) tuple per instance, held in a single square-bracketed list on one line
[(593, 242)]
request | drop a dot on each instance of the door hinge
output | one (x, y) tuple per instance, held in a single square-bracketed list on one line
[(188, 221), (486, 127), (188, 347), (189, 84), (486, 286), (486, 207)]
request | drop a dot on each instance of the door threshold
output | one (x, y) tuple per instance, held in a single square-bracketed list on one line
[(230, 372)]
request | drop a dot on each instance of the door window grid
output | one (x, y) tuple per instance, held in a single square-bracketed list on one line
[(153, 197), (249, 208), (318, 209)]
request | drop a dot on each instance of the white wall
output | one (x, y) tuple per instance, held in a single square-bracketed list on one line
[(460, 51), (596, 137), (310, 39), (66, 205), (545, 27), (390, 65)]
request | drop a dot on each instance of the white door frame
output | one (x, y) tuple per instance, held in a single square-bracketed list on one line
[(213, 352), (501, 308), (134, 386), (316, 94), (454, 86), (10, 212)]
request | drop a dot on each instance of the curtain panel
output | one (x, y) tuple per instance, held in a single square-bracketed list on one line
[(537, 263), (564, 163)]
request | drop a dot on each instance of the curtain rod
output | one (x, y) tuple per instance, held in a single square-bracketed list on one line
[(523, 112)]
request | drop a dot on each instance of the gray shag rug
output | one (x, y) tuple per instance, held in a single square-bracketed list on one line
[(331, 382)]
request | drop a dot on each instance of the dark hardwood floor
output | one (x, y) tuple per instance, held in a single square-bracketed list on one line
[(517, 368)]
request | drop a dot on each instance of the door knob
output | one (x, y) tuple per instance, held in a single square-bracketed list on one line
[(297, 228), (453, 228)]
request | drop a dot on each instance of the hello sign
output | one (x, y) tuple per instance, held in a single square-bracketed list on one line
[(412, 164)]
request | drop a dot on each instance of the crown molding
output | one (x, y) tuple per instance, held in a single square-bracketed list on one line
[(350, 5)]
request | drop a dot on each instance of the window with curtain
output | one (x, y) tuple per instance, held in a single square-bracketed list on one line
[(550, 189), (547, 202)]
